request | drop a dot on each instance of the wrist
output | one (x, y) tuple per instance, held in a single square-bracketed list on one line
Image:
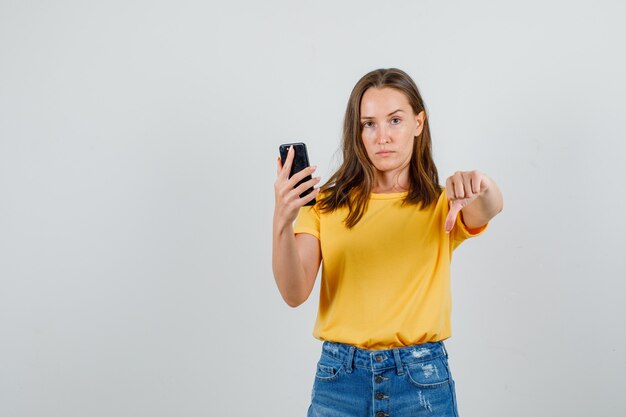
[(282, 225)]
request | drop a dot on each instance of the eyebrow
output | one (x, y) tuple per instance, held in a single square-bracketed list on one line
[(395, 111)]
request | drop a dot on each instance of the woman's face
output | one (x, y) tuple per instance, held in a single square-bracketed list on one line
[(388, 128)]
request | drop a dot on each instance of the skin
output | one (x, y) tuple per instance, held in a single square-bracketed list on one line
[(296, 259), (473, 194), (389, 128)]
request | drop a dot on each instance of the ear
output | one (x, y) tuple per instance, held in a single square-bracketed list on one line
[(420, 119)]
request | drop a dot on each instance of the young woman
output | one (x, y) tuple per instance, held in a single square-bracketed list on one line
[(385, 230)]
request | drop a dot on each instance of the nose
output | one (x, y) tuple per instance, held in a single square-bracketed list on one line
[(383, 136)]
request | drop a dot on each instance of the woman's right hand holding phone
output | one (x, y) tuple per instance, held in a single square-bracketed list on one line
[(288, 201), (296, 259)]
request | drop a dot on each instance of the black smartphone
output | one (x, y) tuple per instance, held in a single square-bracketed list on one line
[(300, 162)]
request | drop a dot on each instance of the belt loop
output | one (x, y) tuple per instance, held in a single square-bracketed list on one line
[(396, 355), (444, 349), (350, 359)]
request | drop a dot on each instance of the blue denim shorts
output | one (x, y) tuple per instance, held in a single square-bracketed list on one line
[(410, 381)]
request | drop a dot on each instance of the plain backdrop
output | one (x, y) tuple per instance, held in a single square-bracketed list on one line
[(138, 145)]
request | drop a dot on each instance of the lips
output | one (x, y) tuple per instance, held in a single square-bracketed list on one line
[(384, 153)]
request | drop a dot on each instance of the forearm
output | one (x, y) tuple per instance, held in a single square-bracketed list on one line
[(286, 264)]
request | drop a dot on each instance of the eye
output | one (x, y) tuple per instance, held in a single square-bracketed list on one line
[(367, 124), (395, 120)]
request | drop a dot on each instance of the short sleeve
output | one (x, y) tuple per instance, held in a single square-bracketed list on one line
[(308, 221), (460, 232)]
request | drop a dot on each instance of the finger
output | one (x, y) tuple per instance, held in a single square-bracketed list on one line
[(467, 186), (288, 162), (477, 182), (306, 185), (455, 207), (458, 186), (301, 174), (310, 196), (280, 166), (288, 189), (450, 188)]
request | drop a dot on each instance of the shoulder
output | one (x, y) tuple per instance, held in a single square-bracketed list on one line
[(439, 200)]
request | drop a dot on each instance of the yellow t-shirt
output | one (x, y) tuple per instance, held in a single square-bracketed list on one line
[(386, 282)]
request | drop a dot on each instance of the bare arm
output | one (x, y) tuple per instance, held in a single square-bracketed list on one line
[(295, 258), (295, 261)]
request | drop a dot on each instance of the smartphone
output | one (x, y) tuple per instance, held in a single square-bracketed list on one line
[(300, 162)]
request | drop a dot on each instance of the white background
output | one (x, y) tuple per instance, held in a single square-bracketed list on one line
[(138, 145)]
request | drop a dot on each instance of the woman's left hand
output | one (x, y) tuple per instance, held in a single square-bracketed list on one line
[(462, 189)]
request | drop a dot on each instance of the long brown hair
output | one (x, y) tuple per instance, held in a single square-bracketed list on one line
[(352, 184)]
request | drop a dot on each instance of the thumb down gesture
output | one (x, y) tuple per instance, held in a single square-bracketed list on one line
[(462, 189)]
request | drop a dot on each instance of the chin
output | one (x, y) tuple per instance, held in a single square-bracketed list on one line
[(386, 167)]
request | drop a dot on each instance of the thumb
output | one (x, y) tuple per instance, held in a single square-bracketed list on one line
[(455, 207)]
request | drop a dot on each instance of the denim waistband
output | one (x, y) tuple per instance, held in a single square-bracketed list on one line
[(378, 360)]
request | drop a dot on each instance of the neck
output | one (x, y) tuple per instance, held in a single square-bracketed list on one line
[(391, 182)]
